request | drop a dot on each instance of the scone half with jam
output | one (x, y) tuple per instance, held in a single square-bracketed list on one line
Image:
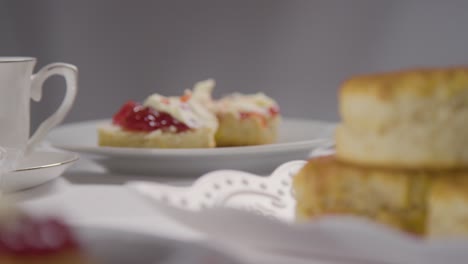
[(163, 122)]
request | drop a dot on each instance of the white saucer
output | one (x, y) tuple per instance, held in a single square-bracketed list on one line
[(37, 168)]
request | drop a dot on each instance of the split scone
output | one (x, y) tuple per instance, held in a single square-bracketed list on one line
[(326, 186), (408, 119), (163, 122), (246, 120)]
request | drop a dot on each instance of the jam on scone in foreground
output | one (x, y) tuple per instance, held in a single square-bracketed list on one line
[(25, 239)]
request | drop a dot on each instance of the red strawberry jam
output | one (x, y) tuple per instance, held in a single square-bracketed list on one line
[(136, 117), (30, 237), (274, 110)]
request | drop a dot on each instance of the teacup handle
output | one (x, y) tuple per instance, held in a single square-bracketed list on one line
[(70, 73)]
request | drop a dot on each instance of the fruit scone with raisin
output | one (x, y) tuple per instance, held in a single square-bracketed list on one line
[(163, 122), (246, 119)]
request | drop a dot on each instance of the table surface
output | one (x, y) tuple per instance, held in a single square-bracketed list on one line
[(87, 194)]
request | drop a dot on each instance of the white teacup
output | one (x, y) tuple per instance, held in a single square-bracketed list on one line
[(18, 85)]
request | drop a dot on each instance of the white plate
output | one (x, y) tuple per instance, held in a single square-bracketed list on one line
[(37, 168), (297, 139)]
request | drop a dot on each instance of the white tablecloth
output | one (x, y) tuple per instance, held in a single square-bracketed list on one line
[(88, 195)]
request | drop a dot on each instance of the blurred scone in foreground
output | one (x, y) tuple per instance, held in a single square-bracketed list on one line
[(31, 240), (401, 154), (411, 119), (394, 197), (448, 202)]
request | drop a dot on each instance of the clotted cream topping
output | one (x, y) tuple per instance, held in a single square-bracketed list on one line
[(188, 112)]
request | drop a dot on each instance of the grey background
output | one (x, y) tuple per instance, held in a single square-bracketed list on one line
[(297, 51)]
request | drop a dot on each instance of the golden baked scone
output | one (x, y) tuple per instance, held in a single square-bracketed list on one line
[(407, 119), (448, 206), (163, 122), (255, 130), (326, 186), (246, 120)]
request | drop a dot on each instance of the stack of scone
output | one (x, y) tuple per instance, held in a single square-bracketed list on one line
[(401, 154)]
